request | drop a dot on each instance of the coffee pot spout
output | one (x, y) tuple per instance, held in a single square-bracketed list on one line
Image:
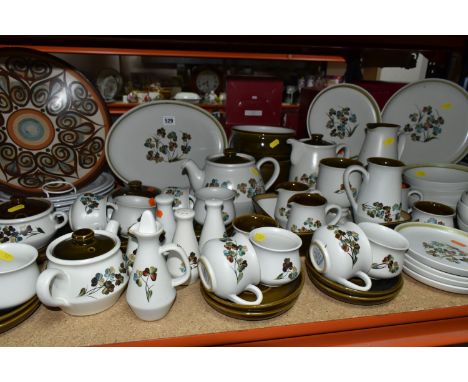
[(297, 150), (195, 174)]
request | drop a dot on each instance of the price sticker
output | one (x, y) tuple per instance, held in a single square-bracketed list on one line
[(420, 173), (259, 236), (168, 121), (446, 106), (254, 171), (5, 255), (274, 143), (389, 141)]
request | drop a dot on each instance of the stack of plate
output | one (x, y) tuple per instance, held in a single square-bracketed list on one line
[(437, 256), (382, 291), (9, 318), (276, 301)]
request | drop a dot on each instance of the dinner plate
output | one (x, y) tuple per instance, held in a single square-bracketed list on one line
[(341, 113), (439, 247), (151, 142), (54, 123), (433, 113), (435, 284)]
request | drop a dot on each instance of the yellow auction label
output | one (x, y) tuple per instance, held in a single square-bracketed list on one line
[(389, 141), (6, 256), (420, 173), (254, 171), (16, 208), (274, 143), (446, 106), (259, 236)]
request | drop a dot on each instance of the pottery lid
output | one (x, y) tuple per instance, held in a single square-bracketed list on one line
[(317, 140), (230, 157), (136, 188), (83, 244), (21, 207)]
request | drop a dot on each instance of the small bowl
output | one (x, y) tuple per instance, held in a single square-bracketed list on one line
[(433, 213)]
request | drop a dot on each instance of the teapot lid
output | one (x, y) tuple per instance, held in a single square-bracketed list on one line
[(19, 207), (136, 188), (230, 157), (317, 140), (83, 244)]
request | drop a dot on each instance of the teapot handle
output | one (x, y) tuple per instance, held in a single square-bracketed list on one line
[(43, 288), (346, 183), (344, 147), (401, 144), (337, 208), (276, 170), (165, 249)]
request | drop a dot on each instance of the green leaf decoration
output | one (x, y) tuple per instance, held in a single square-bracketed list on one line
[(82, 292)]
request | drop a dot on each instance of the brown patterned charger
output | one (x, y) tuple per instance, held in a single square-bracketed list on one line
[(53, 123)]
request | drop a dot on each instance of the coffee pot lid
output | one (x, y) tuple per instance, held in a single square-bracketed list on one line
[(230, 157), (136, 188), (19, 207), (317, 140), (83, 244)]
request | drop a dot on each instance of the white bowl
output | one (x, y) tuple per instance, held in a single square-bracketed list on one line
[(442, 177), (449, 198)]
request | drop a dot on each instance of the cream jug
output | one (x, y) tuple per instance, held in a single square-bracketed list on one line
[(382, 140), (306, 155), (379, 199)]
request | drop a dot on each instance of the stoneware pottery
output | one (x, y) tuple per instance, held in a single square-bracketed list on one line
[(151, 290), (306, 155), (461, 224), (30, 221), (229, 266), (214, 226), (443, 178), (129, 210), (379, 199), (407, 196), (462, 210), (382, 140), (405, 217), (433, 113), (244, 224), (18, 274), (388, 249), (434, 283), (342, 252), (330, 180), (439, 247), (12, 317), (188, 97), (277, 251), (45, 105), (85, 273), (182, 197), (238, 172), (185, 237), (433, 213), (464, 197), (285, 192), (168, 133), (308, 211), (227, 196), (340, 113), (90, 211), (165, 216)]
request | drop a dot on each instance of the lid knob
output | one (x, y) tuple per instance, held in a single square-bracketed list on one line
[(316, 139), (83, 236), (135, 185), (17, 199), (230, 152)]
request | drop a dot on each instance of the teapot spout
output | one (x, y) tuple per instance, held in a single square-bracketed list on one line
[(195, 174), (296, 152)]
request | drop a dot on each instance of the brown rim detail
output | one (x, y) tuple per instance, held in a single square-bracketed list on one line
[(388, 162), (434, 208), (340, 162), (292, 186)]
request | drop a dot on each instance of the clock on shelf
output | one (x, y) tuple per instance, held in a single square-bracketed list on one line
[(205, 79)]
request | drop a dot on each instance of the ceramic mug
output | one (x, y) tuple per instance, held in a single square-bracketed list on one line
[(278, 254), (227, 196), (285, 191), (244, 224), (433, 213), (182, 197), (407, 197), (388, 250), (229, 266), (90, 211), (342, 252)]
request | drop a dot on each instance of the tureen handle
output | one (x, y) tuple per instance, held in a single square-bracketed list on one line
[(44, 286), (56, 214), (276, 170), (165, 249)]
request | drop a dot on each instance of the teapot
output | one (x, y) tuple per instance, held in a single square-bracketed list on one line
[(306, 155), (234, 171)]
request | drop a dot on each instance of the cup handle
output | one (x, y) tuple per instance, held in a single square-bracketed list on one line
[(343, 147), (165, 249), (43, 287), (346, 176), (414, 192), (362, 276), (323, 252), (110, 209), (276, 170), (55, 215), (192, 201), (337, 208), (251, 288)]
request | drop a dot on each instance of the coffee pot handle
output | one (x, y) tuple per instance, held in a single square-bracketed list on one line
[(165, 249), (344, 147), (401, 144), (276, 170), (337, 208), (346, 183), (43, 288)]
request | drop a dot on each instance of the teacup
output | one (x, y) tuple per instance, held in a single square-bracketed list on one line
[(129, 210), (182, 197), (285, 191), (220, 193), (388, 250), (433, 213), (278, 254), (407, 197), (18, 274), (229, 266), (90, 211), (244, 224), (342, 252)]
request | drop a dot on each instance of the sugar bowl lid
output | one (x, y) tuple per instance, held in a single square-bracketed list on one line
[(83, 244), (136, 188), (230, 157), (317, 140), (19, 207)]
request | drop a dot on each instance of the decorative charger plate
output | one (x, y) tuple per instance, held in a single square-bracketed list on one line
[(341, 113), (53, 123), (433, 113), (151, 142), (439, 247)]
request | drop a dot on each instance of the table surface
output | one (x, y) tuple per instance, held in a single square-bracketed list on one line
[(191, 315)]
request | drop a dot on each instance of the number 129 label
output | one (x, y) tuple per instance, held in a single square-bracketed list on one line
[(168, 121)]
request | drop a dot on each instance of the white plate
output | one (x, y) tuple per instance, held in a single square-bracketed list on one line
[(434, 274), (439, 247), (435, 284), (323, 110), (134, 145), (423, 103)]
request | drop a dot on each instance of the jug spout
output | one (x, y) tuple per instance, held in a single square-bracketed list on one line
[(195, 174), (296, 152)]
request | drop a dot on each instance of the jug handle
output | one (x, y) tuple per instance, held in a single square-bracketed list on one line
[(349, 193), (165, 249), (335, 207), (44, 286), (414, 192), (110, 209), (276, 170), (342, 146), (401, 143)]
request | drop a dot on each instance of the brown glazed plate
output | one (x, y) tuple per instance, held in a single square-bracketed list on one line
[(12, 317), (53, 123)]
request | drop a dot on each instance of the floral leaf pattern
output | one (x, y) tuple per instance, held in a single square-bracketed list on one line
[(341, 122), (104, 282), (289, 270), (128, 262), (284, 211), (11, 234), (309, 179), (251, 189), (177, 192), (434, 221), (310, 225), (167, 147), (234, 253), (379, 211), (144, 277), (387, 262), (348, 240), (445, 251), (90, 202), (425, 124), (342, 190)]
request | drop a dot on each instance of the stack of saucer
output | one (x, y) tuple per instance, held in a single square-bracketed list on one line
[(437, 256), (276, 301), (9, 318), (382, 291)]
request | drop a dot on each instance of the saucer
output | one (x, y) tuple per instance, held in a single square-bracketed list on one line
[(9, 318)]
